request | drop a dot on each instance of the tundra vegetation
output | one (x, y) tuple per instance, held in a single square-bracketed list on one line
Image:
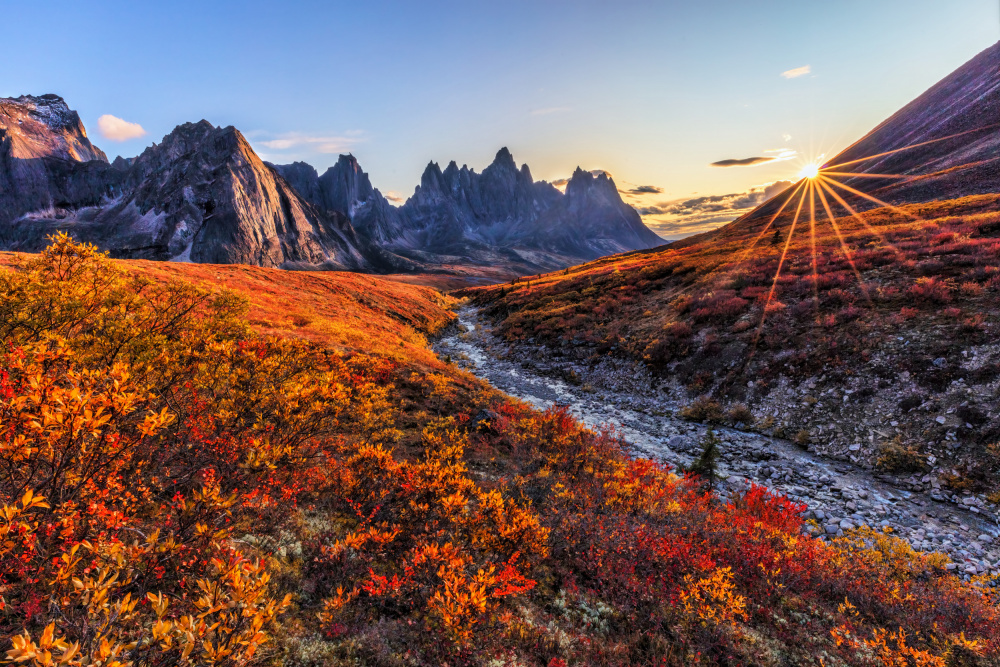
[(190, 475)]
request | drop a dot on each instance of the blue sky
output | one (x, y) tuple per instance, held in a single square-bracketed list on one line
[(652, 92)]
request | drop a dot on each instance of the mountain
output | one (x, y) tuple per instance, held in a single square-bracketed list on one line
[(201, 195), (868, 338), (501, 216)]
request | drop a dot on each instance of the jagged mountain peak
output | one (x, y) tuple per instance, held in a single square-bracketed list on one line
[(49, 109), (304, 167), (348, 162), (504, 159), (587, 184), (44, 126)]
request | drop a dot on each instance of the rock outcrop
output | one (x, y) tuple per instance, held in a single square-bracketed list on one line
[(47, 162)]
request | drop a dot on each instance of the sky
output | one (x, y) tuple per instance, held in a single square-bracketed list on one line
[(652, 92)]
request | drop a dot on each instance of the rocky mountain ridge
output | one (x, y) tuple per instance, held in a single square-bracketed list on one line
[(456, 215), (203, 195)]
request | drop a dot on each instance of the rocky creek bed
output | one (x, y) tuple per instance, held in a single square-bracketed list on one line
[(839, 495)]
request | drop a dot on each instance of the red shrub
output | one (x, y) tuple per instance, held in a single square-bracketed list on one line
[(929, 291)]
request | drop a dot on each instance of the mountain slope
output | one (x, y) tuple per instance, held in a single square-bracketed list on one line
[(867, 337)]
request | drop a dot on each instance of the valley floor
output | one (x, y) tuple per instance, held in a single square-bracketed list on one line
[(839, 495)]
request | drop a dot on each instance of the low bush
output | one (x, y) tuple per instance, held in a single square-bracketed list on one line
[(896, 456), (740, 414), (704, 409)]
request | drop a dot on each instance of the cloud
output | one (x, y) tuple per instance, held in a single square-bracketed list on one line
[(278, 144), (644, 190), (549, 110), (113, 128), (683, 217), (745, 162), (320, 144), (797, 72), (395, 197), (786, 137), (779, 155)]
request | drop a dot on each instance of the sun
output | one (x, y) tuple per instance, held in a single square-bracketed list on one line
[(809, 171)]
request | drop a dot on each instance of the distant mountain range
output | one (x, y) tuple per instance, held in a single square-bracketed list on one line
[(203, 195)]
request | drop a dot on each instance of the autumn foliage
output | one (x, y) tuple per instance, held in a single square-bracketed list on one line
[(177, 488)]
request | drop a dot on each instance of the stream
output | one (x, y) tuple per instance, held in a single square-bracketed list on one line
[(839, 495)]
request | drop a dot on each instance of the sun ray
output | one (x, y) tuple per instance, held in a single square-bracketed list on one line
[(857, 216), (774, 217), (777, 274), (871, 198), (843, 245), (812, 235), (906, 148), (826, 172), (729, 267)]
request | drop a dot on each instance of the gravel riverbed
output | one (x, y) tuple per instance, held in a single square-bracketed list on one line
[(839, 495)]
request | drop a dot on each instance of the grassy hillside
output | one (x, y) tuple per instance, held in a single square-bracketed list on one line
[(178, 486), (352, 312), (888, 324)]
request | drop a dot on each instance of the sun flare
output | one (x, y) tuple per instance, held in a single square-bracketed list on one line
[(809, 171)]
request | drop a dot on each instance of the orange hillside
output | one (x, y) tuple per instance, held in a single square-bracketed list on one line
[(350, 311)]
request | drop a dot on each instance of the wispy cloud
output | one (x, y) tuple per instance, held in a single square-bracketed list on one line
[(683, 217), (394, 197), (113, 128), (779, 155), (743, 162), (343, 143), (549, 110), (797, 72)]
